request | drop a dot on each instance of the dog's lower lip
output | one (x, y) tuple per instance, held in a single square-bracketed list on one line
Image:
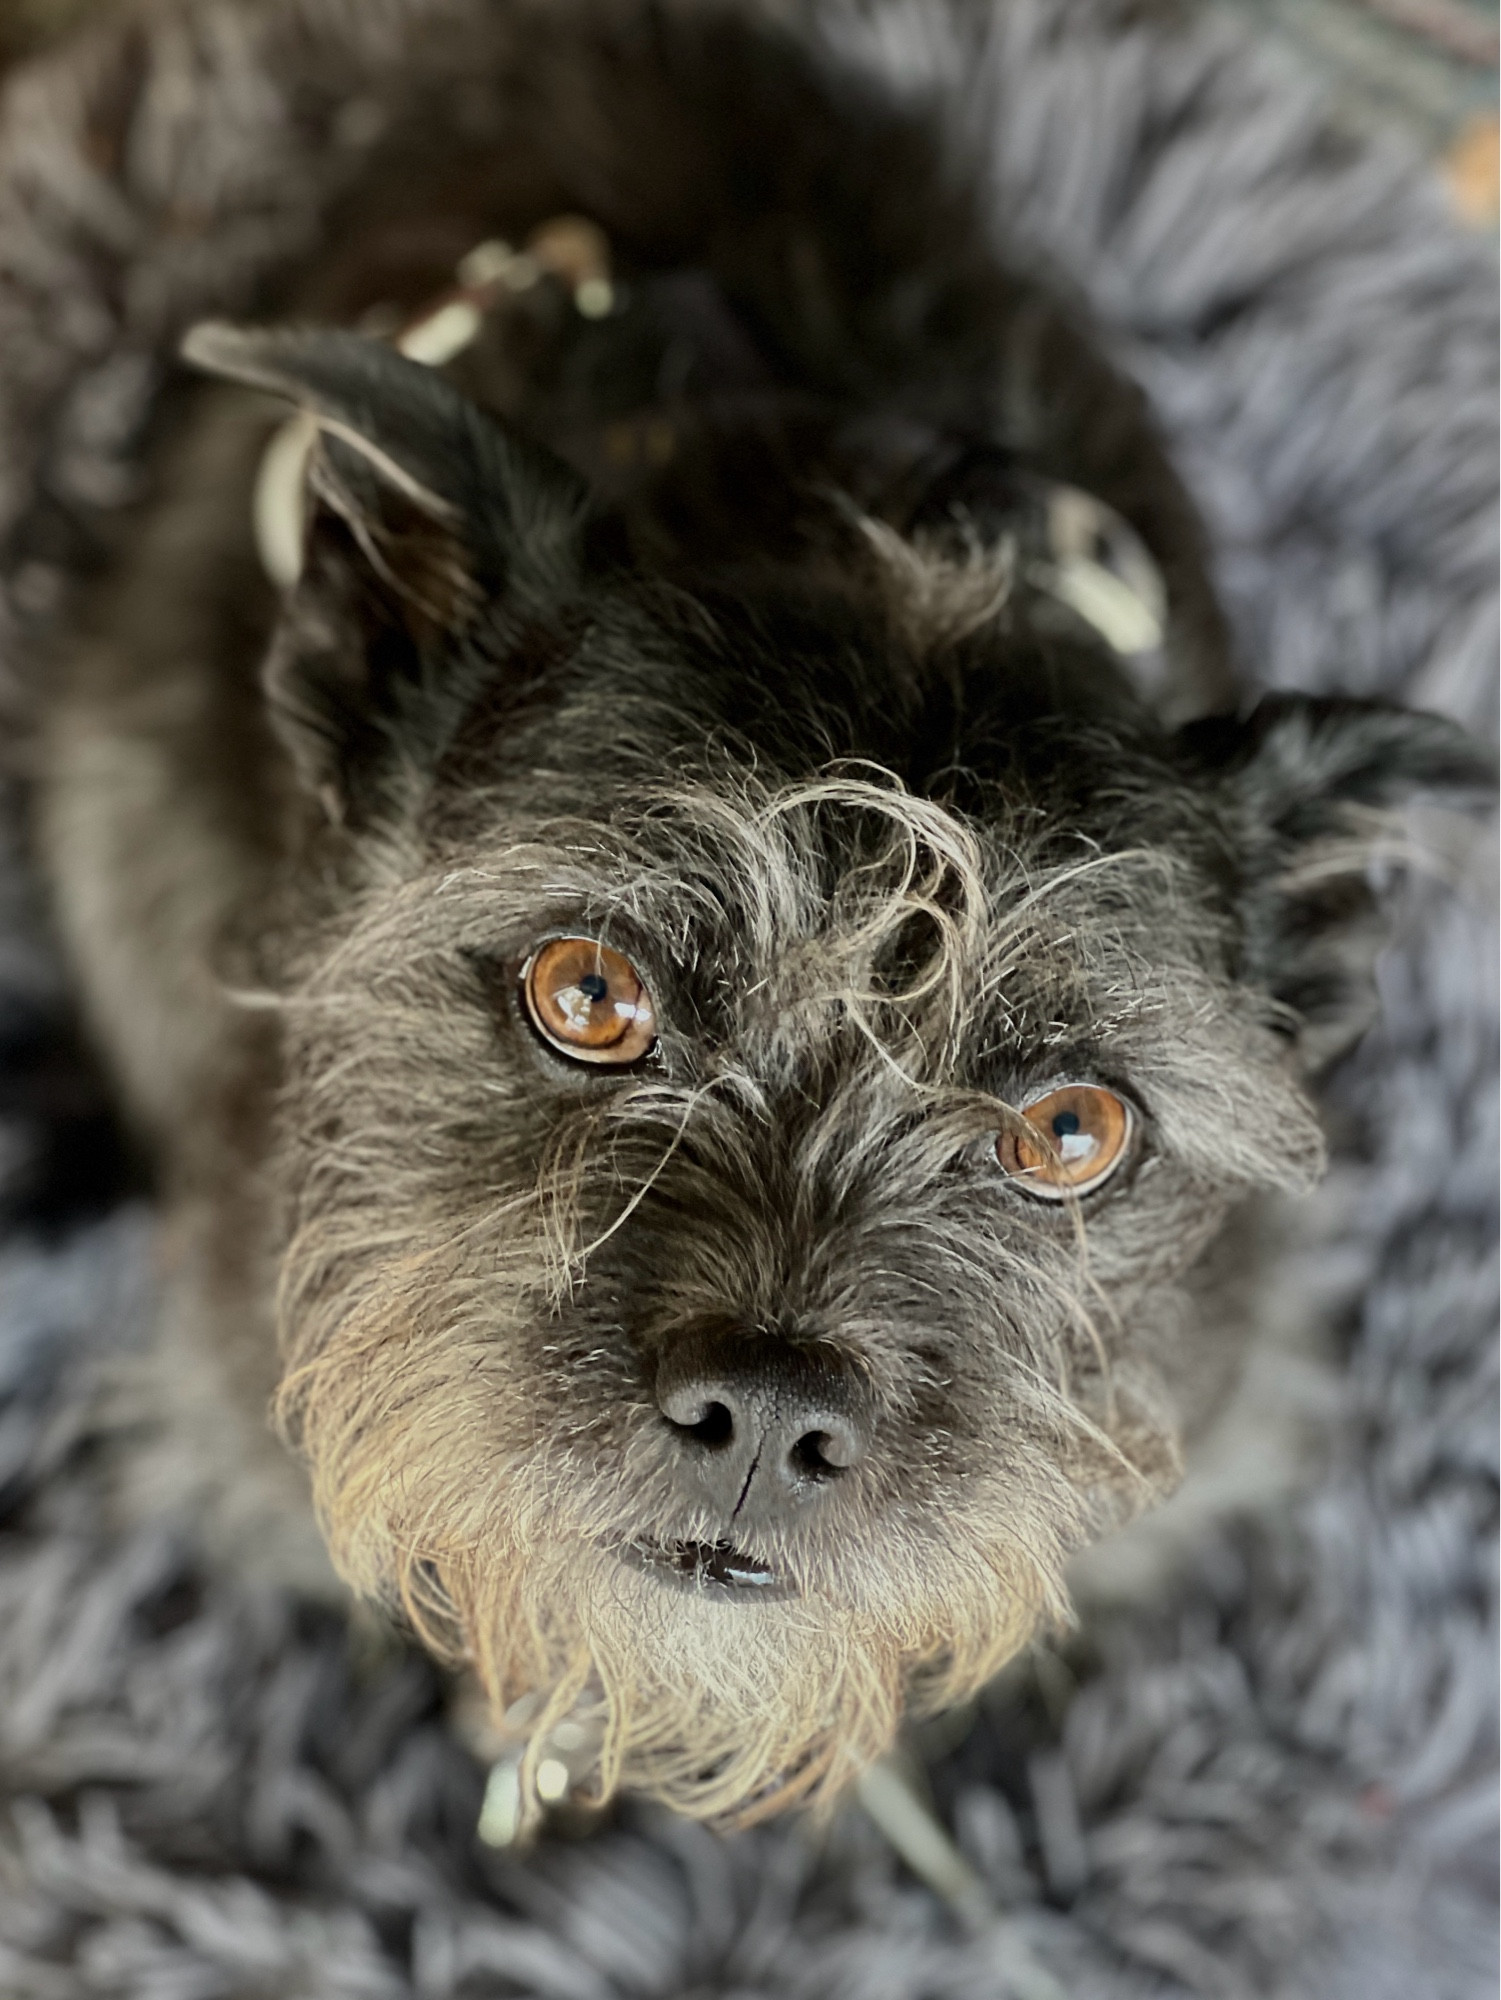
[(719, 1566)]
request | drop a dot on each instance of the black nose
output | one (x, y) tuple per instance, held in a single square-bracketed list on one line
[(763, 1429)]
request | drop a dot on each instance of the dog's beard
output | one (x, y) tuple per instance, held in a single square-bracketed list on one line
[(721, 1705), (511, 1555)]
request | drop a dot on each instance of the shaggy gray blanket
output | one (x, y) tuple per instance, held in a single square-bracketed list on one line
[(1277, 1783)]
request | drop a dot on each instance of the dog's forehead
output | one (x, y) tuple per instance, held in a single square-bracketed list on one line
[(844, 854), (754, 907)]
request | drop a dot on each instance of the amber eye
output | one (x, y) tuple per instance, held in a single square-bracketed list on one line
[(588, 1002), (1085, 1133)]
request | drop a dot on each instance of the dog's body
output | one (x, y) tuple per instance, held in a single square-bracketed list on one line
[(743, 1380)]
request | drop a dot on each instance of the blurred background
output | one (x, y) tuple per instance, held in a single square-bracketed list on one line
[(1426, 65), (1429, 65)]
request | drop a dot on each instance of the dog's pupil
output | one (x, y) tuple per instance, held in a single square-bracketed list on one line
[(594, 987), (1066, 1124)]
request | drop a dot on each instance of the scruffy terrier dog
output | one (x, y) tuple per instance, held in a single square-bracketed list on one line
[(698, 979)]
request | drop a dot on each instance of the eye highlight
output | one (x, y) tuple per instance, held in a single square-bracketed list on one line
[(588, 1002), (1084, 1132)]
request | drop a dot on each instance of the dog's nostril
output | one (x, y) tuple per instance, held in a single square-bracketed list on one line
[(715, 1427), (695, 1411), (808, 1458), (824, 1453)]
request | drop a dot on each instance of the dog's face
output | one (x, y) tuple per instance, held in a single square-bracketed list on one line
[(755, 1089)]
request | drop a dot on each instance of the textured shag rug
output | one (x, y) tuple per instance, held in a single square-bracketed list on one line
[(1276, 1783)]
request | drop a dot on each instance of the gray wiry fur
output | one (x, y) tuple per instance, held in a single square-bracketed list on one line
[(1282, 1763)]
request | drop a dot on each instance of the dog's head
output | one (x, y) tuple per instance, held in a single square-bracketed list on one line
[(760, 1066)]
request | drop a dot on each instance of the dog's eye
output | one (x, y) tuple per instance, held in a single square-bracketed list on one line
[(588, 1002), (1084, 1131)]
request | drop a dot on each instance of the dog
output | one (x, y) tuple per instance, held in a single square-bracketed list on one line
[(654, 826)]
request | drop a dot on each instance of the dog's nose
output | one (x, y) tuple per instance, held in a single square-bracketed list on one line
[(763, 1429)]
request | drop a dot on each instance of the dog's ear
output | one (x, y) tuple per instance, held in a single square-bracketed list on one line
[(1311, 791), (430, 540)]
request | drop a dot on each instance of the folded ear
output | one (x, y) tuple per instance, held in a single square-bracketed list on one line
[(430, 539), (1311, 790)]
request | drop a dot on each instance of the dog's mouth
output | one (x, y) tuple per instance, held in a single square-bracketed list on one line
[(716, 1566)]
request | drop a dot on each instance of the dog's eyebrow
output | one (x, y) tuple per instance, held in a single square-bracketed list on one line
[(1043, 1052)]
